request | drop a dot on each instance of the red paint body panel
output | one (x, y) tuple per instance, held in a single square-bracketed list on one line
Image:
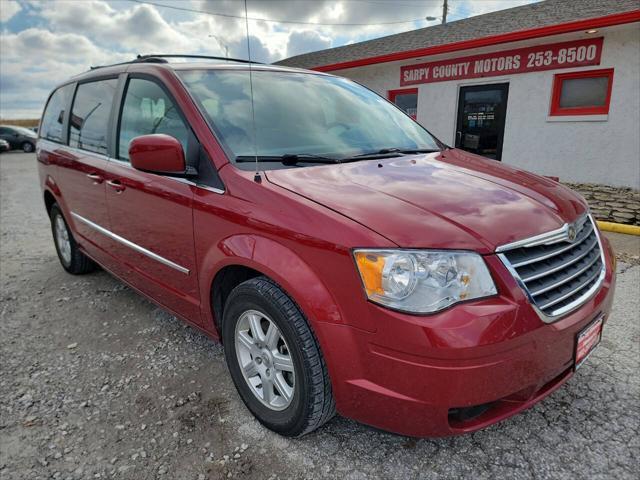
[(80, 179), (299, 226), (450, 200), (415, 368), (155, 212)]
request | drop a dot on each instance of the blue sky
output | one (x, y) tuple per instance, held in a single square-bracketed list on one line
[(43, 42)]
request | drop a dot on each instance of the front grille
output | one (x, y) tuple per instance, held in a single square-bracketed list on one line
[(558, 274)]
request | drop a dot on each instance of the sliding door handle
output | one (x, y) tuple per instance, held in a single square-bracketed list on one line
[(97, 179), (116, 185)]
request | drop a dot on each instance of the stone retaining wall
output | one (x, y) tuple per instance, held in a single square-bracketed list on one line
[(611, 204)]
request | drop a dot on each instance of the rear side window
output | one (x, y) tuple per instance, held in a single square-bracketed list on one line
[(148, 109), (89, 122), (53, 118)]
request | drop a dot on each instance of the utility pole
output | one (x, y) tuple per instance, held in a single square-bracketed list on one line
[(445, 9)]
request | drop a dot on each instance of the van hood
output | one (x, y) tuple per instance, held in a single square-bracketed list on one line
[(450, 199)]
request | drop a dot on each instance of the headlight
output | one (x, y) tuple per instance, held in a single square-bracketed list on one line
[(423, 281)]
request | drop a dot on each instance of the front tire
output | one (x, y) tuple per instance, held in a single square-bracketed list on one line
[(274, 359), (70, 256), (28, 147)]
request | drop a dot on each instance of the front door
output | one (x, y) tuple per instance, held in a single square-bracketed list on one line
[(482, 111), (152, 214)]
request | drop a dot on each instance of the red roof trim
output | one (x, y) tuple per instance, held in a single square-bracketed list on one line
[(608, 21)]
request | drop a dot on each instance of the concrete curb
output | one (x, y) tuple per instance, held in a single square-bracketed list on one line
[(618, 228)]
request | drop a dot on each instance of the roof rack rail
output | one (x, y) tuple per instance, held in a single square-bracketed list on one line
[(95, 67), (159, 57)]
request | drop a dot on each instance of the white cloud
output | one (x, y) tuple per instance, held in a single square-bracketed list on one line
[(35, 60), (8, 9), (471, 9), (306, 41), (64, 37)]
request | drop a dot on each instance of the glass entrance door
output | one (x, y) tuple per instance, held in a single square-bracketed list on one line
[(481, 117)]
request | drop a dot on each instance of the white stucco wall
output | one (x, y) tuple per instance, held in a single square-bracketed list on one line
[(581, 150)]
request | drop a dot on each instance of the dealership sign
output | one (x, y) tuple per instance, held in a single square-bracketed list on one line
[(577, 53)]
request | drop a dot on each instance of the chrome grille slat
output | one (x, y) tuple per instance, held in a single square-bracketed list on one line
[(535, 293), (557, 274), (582, 237), (572, 292), (544, 273)]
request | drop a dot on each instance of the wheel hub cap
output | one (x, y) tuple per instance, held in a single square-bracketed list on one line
[(265, 360)]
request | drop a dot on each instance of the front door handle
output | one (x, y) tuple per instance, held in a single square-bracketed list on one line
[(116, 185), (95, 177)]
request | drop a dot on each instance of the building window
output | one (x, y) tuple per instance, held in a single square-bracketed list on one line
[(582, 93), (406, 99)]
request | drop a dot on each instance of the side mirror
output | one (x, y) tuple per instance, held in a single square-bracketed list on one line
[(158, 153)]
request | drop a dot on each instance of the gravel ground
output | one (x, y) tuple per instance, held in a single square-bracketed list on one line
[(96, 382)]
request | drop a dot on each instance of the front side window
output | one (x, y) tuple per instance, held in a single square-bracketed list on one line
[(582, 93), (89, 122), (301, 114), (147, 110), (53, 117)]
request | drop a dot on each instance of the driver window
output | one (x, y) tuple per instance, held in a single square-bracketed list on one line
[(147, 109)]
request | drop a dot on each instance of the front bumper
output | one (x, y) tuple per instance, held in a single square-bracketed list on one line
[(459, 370)]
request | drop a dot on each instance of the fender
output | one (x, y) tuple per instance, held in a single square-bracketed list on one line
[(270, 258), (51, 185)]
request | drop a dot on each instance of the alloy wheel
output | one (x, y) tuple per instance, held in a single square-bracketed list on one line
[(265, 360), (62, 239)]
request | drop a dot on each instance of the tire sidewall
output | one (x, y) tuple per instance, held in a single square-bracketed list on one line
[(27, 147), (55, 212), (292, 418)]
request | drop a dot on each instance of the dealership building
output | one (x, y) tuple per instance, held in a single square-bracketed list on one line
[(552, 87)]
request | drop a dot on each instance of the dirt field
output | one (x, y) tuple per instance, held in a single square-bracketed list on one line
[(96, 382), (22, 122)]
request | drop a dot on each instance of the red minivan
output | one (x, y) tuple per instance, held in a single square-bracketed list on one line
[(348, 260)]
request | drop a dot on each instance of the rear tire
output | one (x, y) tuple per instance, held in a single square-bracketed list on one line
[(70, 256), (28, 147), (308, 402)]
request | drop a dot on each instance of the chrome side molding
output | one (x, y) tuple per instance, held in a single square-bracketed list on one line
[(130, 244)]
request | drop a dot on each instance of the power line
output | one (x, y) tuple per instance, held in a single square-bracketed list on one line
[(228, 15)]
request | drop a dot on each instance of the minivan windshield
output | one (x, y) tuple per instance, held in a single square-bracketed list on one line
[(301, 115)]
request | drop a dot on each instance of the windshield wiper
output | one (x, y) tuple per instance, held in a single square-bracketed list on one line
[(288, 158), (419, 150), (386, 153)]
